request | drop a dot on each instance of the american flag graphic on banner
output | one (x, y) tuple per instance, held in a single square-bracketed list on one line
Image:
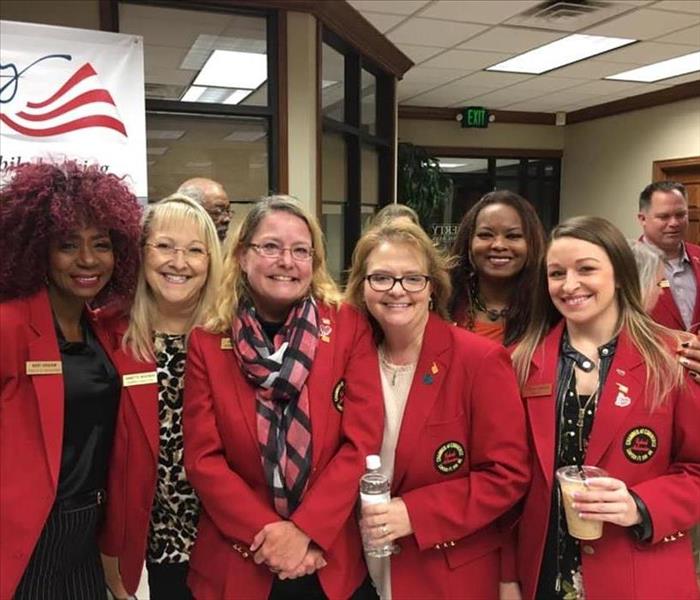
[(81, 102)]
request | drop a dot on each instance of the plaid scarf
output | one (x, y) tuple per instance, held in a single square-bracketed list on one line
[(278, 369)]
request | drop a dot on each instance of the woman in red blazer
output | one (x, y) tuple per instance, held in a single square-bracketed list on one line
[(281, 407), (70, 242), (454, 440), (152, 511), (604, 388)]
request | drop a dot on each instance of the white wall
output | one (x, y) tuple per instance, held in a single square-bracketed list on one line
[(497, 135), (608, 161)]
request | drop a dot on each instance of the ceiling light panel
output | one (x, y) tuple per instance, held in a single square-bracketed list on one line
[(231, 69), (688, 63), (562, 52)]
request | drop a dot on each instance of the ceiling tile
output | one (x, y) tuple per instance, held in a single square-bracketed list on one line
[(678, 80), (392, 7), (545, 84), (532, 106), (687, 6), (493, 80), (430, 32), (435, 76), (419, 53), (690, 36), (408, 89), (606, 88), (645, 53), (381, 21), (643, 24), (446, 96), (510, 39), (591, 69), (499, 98), (478, 11), (469, 60)]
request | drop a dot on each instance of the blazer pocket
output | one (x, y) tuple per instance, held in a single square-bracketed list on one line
[(473, 546)]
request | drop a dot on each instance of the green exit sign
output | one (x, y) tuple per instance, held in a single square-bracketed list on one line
[(475, 116)]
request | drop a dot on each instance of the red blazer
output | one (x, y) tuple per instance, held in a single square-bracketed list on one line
[(31, 428), (222, 459), (133, 469), (462, 462), (666, 310), (666, 478)]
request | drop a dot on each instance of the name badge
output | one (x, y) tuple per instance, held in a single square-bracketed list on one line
[(44, 367), (532, 391), (139, 378), (226, 343)]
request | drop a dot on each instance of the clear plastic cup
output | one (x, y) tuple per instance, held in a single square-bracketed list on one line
[(574, 479)]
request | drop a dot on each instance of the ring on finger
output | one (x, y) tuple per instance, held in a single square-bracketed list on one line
[(385, 530)]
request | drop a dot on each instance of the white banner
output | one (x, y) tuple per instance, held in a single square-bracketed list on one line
[(73, 93)]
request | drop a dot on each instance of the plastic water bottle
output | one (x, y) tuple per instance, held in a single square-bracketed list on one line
[(375, 488)]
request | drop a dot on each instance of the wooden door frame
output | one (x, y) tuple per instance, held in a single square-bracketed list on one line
[(659, 167)]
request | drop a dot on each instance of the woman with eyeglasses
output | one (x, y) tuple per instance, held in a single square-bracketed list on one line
[(604, 388), (69, 261), (152, 511), (281, 407), (454, 445)]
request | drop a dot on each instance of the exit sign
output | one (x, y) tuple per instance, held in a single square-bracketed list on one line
[(475, 116)]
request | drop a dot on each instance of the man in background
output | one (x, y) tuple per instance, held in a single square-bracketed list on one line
[(663, 215), (212, 196)]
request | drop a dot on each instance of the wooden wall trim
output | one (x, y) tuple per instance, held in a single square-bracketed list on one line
[(109, 15), (436, 113), (345, 22), (319, 121), (659, 167), (464, 152), (282, 105), (649, 100)]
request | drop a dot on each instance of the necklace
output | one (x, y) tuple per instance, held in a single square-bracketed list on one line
[(592, 399), (393, 368), (493, 314)]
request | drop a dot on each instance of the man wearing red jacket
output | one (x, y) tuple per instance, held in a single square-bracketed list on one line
[(663, 215)]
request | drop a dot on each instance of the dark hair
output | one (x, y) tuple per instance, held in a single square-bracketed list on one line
[(659, 186), (465, 279), (42, 201), (394, 211)]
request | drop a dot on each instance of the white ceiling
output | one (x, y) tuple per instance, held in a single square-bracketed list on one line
[(452, 41)]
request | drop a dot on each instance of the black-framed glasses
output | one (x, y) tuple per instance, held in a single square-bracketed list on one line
[(301, 252), (380, 282)]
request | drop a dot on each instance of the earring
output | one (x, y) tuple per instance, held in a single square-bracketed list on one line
[(431, 303)]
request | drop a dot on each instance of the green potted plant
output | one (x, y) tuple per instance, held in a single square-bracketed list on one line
[(421, 184)]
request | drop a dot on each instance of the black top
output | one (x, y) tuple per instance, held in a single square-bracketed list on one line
[(91, 399), (270, 328)]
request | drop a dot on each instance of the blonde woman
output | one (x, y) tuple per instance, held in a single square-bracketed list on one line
[(152, 510), (281, 407), (604, 388), (454, 440)]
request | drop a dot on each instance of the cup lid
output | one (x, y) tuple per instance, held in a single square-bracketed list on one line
[(580, 472)]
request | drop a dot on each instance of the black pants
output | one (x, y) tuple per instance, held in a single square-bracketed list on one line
[(309, 588), (168, 581), (65, 564)]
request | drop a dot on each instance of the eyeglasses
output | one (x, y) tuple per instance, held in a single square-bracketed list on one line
[(273, 250), (664, 283), (410, 283), (192, 253)]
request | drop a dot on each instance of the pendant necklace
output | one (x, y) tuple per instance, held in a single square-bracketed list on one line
[(493, 314)]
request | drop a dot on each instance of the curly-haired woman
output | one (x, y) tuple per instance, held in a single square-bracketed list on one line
[(70, 244)]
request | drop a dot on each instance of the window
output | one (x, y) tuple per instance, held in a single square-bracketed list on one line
[(357, 162), (210, 97)]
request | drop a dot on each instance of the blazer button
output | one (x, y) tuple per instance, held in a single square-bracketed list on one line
[(397, 548), (245, 555), (588, 549), (452, 544), (437, 546)]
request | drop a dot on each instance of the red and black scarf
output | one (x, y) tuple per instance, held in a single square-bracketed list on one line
[(278, 369)]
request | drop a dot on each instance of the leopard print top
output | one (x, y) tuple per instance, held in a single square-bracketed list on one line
[(175, 507)]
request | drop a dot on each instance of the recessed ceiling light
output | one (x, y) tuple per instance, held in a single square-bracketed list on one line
[(562, 52), (231, 69), (672, 67), (237, 96), (193, 94)]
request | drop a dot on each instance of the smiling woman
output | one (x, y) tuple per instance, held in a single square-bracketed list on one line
[(177, 283), (70, 244)]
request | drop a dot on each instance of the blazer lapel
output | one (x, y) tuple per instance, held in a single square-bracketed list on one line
[(613, 408), (48, 388), (427, 382), (666, 305), (539, 395), (695, 262)]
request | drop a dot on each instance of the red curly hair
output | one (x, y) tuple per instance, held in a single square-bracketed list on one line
[(43, 201)]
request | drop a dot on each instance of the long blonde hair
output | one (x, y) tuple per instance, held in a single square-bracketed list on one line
[(663, 372), (234, 285), (398, 232), (173, 210)]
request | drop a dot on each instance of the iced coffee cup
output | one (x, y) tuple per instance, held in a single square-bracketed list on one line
[(573, 479)]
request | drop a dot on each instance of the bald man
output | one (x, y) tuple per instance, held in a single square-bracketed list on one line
[(212, 196)]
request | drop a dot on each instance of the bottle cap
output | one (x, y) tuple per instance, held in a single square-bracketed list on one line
[(373, 462)]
